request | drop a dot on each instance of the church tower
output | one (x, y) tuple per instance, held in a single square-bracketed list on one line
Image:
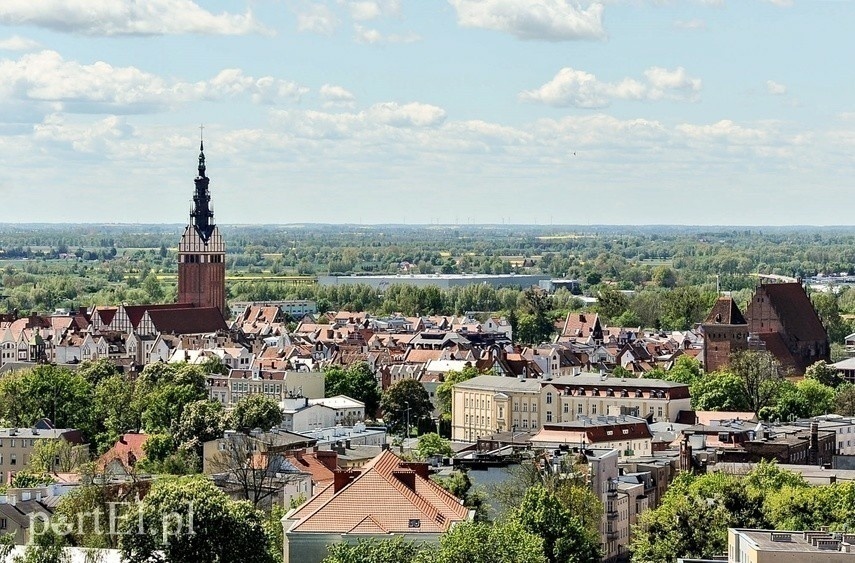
[(201, 251)]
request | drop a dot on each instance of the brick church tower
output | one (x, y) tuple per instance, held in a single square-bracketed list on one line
[(201, 251)]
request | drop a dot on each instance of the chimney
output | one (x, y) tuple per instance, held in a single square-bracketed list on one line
[(328, 458), (407, 477), (421, 469), (347, 444), (343, 479)]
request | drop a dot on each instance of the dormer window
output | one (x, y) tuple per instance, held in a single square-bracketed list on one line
[(595, 392), (581, 391)]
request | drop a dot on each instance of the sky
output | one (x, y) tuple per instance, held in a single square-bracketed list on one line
[(707, 112)]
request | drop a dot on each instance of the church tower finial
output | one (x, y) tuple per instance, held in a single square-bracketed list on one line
[(202, 215)]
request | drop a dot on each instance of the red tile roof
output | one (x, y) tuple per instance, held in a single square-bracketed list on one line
[(386, 496), (795, 311), (188, 321), (725, 311), (128, 450)]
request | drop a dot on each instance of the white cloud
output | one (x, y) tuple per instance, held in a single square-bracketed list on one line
[(336, 96), (125, 17), (571, 87), (781, 3), (316, 17), (413, 114), (18, 43), (549, 20), (374, 37), (85, 137), (102, 88), (775, 88), (725, 130), (693, 24), (364, 10)]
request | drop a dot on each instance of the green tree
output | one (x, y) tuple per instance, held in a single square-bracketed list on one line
[(663, 276), (49, 456), (47, 392), (256, 411), (376, 551), (611, 303), (805, 399), (844, 400), (163, 390), (200, 422), (823, 373), (477, 542), (761, 378), (114, 410), (459, 484), (222, 530), (357, 382), (94, 371), (565, 538), (432, 444), (403, 401), (27, 479), (719, 391)]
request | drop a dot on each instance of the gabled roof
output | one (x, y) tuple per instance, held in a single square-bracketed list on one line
[(187, 321), (387, 495), (127, 450), (795, 311), (726, 312), (135, 313)]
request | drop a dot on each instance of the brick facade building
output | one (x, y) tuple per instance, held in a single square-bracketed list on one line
[(780, 318)]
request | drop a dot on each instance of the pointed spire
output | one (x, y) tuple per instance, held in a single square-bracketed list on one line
[(201, 151)]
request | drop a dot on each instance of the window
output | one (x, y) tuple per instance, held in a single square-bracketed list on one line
[(626, 431), (534, 407), (566, 408), (516, 407), (579, 408), (593, 409), (3, 524), (548, 416), (525, 407), (414, 523), (13, 459), (549, 398), (659, 412)]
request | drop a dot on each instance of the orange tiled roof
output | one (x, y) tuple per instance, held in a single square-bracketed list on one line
[(393, 504)]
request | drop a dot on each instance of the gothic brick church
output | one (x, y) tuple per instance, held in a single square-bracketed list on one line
[(202, 251), (780, 318)]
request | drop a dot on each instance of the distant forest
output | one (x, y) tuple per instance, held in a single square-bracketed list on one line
[(656, 276)]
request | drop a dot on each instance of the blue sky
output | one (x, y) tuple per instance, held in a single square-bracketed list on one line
[(429, 111)]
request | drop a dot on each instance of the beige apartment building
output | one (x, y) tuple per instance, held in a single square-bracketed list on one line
[(17, 444), (568, 398), (487, 404)]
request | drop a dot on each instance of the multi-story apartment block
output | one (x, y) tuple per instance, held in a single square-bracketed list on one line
[(277, 385), (17, 445), (487, 404), (571, 397)]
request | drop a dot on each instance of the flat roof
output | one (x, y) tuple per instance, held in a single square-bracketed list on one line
[(785, 540), (500, 383)]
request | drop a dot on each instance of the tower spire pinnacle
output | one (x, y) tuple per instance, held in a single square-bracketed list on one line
[(202, 215)]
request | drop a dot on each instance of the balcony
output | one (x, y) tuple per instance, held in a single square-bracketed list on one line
[(611, 514)]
